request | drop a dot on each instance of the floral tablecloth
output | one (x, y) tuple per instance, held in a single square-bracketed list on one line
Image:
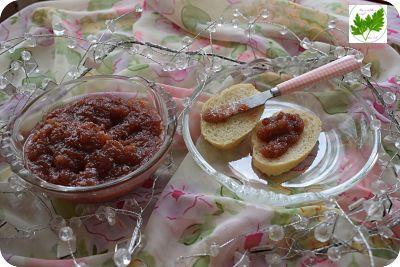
[(193, 210)]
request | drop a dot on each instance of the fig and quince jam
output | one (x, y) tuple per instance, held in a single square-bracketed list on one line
[(93, 140), (223, 113), (280, 132)]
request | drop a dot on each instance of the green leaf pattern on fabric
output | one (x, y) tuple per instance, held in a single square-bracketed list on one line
[(101, 4), (283, 216), (238, 49), (334, 101), (145, 259), (197, 231), (71, 55), (192, 16), (220, 209), (225, 192), (171, 39), (275, 50), (203, 261)]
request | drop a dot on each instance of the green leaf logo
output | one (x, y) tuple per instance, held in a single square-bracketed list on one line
[(370, 23)]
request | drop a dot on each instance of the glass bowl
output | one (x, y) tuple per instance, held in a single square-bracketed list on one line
[(346, 150), (20, 126)]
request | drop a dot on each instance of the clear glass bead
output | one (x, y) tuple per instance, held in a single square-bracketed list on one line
[(168, 66), (250, 31), (330, 214), (359, 56), (389, 98), (340, 51), (216, 65), (30, 40), (211, 27), (28, 88), (110, 215), (14, 183), (272, 259), (100, 213), (58, 29), (397, 144), (351, 77), (214, 250), (91, 38), (332, 24), (236, 13), (283, 31), (299, 222), (148, 52), (28, 234), (138, 8), (3, 82), (66, 233), (71, 43), (73, 73), (374, 209), (366, 70), (134, 49), (334, 253), (235, 23), (26, 55), (110, 24), (264, 13), (11, 49), (331, 202), (306, 43), (375, 124), (181, 61), (276, 232), (15, 65), (187, 41), (122, 257), (322, 232), (383, 159), (220, 21), (385, 231), (45, 82)]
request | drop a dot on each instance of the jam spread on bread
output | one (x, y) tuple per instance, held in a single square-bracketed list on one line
[(280, 132), (223, 113), (94, 139)]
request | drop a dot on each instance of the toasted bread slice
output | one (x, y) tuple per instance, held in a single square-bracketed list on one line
[(225, 135), (295, 154)]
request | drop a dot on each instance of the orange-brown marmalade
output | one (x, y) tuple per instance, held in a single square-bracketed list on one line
[(93, 140), (280, 132)]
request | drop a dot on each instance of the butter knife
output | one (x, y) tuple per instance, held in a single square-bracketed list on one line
[(333, 69)]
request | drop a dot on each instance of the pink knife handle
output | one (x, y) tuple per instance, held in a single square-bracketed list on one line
[(333, 69)]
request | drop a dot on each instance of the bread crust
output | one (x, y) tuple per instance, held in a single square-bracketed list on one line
[(295, 154)]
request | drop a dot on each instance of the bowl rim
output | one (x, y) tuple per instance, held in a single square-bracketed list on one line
[(261, 196), (163, 98)]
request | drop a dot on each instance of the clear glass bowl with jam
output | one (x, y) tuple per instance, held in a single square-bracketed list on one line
[(346, 150), (91, 139)]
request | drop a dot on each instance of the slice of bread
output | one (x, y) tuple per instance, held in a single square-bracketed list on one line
[(225, 135), (295, 154)]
